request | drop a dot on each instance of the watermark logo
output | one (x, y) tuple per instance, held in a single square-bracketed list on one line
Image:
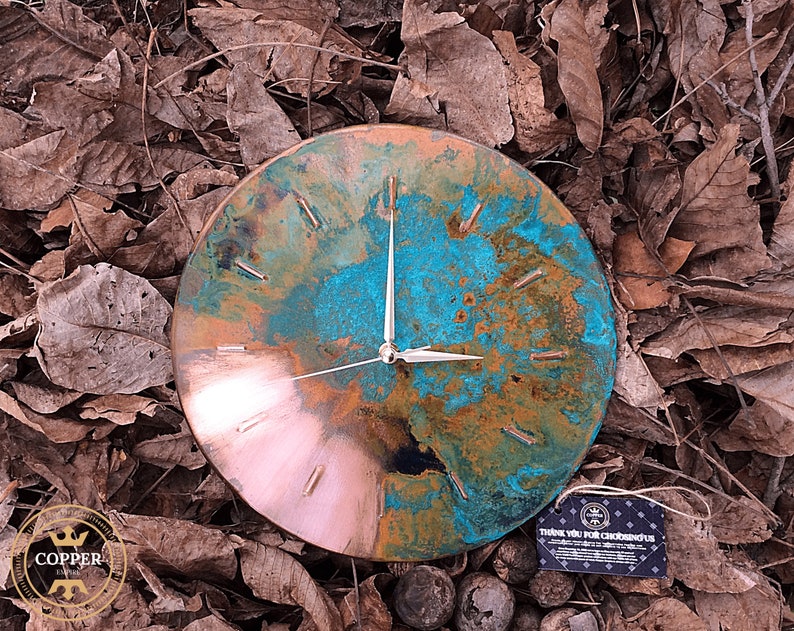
[(594, 515), (68, 562)]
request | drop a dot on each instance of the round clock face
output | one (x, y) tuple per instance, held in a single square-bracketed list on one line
[(393, 342)]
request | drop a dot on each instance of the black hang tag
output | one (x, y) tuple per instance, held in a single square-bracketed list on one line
[(623, 536)]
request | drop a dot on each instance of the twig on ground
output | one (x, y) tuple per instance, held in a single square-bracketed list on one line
[(144, 94), (773, 490), (763, 105), (316, 58), (714, 74), (231, 49)]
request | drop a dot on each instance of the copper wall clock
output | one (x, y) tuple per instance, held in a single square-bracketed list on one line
[(393, 342)]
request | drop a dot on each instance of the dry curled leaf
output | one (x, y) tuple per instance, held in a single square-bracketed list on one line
[(714, 201), (176, 545), (577, 72), (103, 331), (457, 78), (538, 130), (250, 110), (694, 556), (757, 608), (276, 576), (639, 274)]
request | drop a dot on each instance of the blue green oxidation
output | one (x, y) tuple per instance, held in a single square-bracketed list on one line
[(325, 301)]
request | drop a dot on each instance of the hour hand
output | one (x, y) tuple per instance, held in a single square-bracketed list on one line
[(388, 320), (424, 354)]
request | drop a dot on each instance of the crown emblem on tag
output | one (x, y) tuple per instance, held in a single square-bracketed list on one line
[(68, 538)]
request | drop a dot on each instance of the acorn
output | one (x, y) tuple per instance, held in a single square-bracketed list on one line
[(515, 560), (484, 603), (526, 618), (552, 589), (424, 597), (557, 620)]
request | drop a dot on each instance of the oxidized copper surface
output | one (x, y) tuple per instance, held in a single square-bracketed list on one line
[(398, 460)]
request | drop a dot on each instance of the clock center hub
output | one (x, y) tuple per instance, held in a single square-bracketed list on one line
[(388, 353)]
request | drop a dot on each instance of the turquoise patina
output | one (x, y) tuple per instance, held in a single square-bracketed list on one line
[(439, 456)]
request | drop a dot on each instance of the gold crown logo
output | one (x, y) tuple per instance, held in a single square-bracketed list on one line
[(67, 538)]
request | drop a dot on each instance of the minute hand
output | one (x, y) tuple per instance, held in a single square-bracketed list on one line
[(424, 354)]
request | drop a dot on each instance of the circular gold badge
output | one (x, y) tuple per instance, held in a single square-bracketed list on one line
[(68, 562)]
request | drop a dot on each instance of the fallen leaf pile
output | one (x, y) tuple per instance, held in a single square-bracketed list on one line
[(666, 127)]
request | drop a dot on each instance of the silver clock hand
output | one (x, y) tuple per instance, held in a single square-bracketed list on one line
[(388, 318), (424, 354), (335, 369)]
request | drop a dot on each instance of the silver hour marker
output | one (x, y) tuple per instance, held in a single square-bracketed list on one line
[(532, 276), (467, 225), (548, 355), (250, 269), (231, 348), (458, 484), (314, 478), (392, 191), (305, 206), (516, 433)]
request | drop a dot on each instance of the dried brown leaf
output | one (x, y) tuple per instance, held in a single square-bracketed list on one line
[(714, 201), (727, 326), (375, 614), (164, 244), (58, 429), (290, 65), (102, 232), (538, 130), (763, 429), (121, 409), (757, 608), (669, 613), (53, 58), (694, 556), (20, 331), (103, 331), (16, 295), (176, 545), (457, 78), (111, 167), (171, 449), (773, 387), (276, 576), (639, 275), (44, 397), (576, 72), (37, 173), (251, 109), (738, 520), (72, 26)]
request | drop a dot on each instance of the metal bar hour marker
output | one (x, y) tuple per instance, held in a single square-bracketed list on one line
[(519, 435), (250, 269), (392, 191), (314, 478), (305, 206), (231, 348), (467, 225), (381, 502), (548, 355), (458, 484), (532, 276)]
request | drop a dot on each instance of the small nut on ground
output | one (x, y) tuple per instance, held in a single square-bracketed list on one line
[(552, 589), (515, 560), (424, 597), (526, 618), (484, 603), (557, 620)]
